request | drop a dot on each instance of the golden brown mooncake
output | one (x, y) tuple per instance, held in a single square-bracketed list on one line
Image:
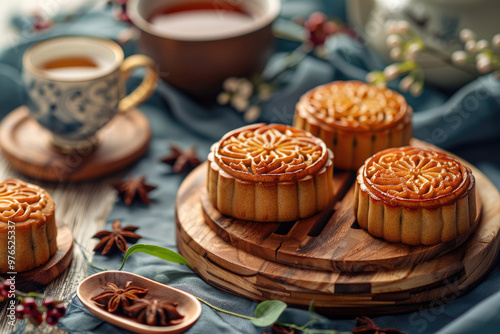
[(355, 120), (416, 196), (270, 173), (27, 221)]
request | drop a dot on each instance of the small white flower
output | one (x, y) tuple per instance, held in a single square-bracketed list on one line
[(413, 51), (127, 35), (371, 77), (406, 83), (223, 98), (245, 88), (416, 89), (396, 53), (482, 45), (390, 27), (239, 102), (264, 92), (231, 84), (470, 46), (391, 72), (495, 41), (482, 55), (320, 51), (393, 41), (483, 65), (402, 27), (467, 35), (459, 57), (252, 114)]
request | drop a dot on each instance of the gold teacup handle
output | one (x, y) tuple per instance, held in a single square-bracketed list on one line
[(147, 86)]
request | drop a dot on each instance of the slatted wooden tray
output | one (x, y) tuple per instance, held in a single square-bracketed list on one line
[(328, 258)]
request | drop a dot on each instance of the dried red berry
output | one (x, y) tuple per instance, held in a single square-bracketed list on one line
[(61, 309), (20, 312), (30, 306), (52, 317), (36, 318), (5, 289), (48, 302), (319, 28)]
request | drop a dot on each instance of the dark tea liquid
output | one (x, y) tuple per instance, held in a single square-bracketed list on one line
[(201, 19)]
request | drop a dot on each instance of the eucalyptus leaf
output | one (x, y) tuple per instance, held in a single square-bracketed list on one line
[(160, 252), (268, 312)]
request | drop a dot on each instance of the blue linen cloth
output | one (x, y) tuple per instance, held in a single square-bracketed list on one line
[(464, 122)]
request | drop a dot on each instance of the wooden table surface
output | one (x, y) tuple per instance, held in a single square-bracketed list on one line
[(84, 207), (73, 201)]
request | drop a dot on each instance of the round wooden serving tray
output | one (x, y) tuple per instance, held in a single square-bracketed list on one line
[(46, 273), (328, 258), (27, 146)]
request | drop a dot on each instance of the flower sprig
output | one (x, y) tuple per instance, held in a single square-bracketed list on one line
[(247, 95), (485, 56), (34, 307), (131, 33), (120, 11), (405, 45)]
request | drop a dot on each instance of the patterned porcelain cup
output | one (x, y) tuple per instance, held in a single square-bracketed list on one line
[(76, 85)]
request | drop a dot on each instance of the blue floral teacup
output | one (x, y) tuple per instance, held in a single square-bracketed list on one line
[(76, 85)]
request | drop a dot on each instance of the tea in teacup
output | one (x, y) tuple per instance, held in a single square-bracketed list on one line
[(74, 66), (76, 85)]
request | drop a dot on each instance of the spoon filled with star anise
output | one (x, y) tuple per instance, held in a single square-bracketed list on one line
[(138, 304)]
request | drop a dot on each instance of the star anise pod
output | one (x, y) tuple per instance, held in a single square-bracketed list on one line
[(365, 325), (134, 188), (181, 161), (116, 239), (115, 300), (154, 312)]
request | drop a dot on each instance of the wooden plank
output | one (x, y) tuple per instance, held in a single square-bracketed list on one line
[(308, 242)]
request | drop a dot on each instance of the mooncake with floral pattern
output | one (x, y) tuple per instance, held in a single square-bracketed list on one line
[(270, 173), (28, 231), (414, 195), (355, 120)]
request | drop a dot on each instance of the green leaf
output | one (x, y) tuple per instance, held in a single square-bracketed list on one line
[(160, 252), (311, 306), (268, 312)]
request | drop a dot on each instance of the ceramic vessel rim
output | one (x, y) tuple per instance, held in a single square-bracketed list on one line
[(140, 328), (112, 46), (262, 21)]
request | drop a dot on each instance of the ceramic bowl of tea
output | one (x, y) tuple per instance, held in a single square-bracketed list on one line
[(199, 43)]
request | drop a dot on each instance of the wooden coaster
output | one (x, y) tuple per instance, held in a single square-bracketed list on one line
[(46, 273), (413, 284), (27, 146)]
